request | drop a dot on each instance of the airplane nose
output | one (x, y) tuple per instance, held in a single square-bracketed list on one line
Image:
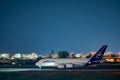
[(36, 63)]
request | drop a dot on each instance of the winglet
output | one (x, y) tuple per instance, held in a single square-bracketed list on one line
[(97, 57)]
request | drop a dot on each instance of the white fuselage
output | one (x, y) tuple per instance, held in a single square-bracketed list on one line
[(61, 62)]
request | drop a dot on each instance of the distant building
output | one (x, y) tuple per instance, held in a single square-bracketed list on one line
[(83, 56), (78, 55), (89, 55), (5, 56), (92, 53), (26, 56), (71, 55), (16, 56), (29, 56), (118, 55), (54, 56), (111, 60), (108, 54), (34, 56)]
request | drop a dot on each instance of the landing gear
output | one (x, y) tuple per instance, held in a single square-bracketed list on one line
[(65, 66), (61, 66), (70, 65)]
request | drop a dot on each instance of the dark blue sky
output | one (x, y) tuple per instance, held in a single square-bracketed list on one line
[(73, 25)]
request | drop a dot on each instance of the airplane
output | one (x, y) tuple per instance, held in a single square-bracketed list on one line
[(72, 62)]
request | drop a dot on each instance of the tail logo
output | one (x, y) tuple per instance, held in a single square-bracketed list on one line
[(98, 55)]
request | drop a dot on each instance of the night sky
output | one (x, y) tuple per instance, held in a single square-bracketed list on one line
[(73, 25)]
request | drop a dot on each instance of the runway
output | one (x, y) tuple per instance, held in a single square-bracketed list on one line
[(38, 69), (58, 74)]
